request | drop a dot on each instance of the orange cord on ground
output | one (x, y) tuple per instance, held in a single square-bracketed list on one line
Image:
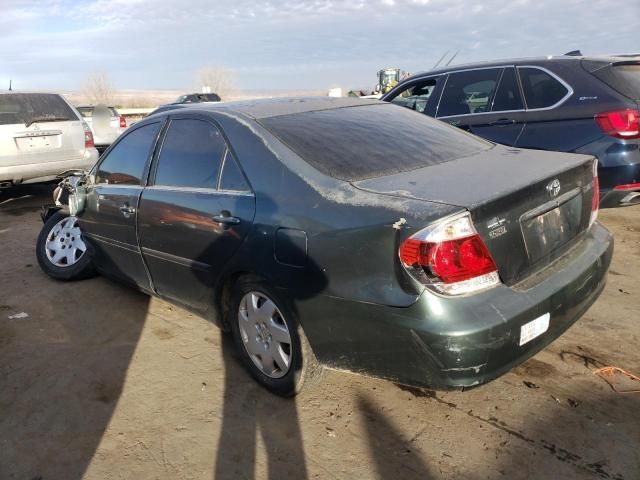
[(606, 372)]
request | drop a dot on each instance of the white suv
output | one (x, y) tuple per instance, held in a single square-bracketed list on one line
[(41, 136)]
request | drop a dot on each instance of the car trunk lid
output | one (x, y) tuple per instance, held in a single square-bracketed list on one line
[(528, 206), (41, 142)]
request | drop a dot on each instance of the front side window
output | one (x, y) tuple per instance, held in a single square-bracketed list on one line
[(125, 163), (416, 96), (191, 155), (541, 90), (468, 92), (508, 94)]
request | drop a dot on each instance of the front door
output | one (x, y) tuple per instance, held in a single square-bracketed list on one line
[(196, 213), (113, 193)]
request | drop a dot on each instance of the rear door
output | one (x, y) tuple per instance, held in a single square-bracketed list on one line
[(109, 218), (38, 128), (196, 213), (548, 126), (486, 102)]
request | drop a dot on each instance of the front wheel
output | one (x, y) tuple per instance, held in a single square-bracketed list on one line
[(61, 251), (271, 343)]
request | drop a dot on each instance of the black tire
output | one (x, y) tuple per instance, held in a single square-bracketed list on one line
[(82, 268), (303, 365)]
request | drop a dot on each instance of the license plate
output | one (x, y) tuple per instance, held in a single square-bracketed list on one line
[(534, 328), (35, 143)]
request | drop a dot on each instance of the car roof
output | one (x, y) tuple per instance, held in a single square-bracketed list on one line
[(519, 61), (274, 107)]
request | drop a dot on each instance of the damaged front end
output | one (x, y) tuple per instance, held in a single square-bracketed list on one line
[(70, 194)]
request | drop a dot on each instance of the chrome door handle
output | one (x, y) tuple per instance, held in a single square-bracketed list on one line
[(226, 220), (127, 211)]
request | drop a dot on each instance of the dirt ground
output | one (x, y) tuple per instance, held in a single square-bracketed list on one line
[(103, 382)]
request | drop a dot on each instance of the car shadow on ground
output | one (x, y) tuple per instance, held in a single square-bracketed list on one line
[(65, 348)]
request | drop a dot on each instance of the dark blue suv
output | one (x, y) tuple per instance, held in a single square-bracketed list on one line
[(567, 103)]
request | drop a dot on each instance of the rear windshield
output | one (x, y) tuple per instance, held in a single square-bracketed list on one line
[(88, 112), (27, 108), (623, 77), (357, 143)]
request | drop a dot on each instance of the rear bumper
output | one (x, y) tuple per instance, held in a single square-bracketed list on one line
[(459, 342), (35, 172)]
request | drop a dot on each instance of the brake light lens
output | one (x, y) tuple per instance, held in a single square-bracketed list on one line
[(595, 200), (123, 122), (88, 137), (620, 123), (450, 257), (628, 186)]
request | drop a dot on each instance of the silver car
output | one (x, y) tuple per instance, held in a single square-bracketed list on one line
[(105, 123), (41, 135)]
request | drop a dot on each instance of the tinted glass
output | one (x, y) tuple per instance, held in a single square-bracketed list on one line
[(541, 90), (468, 92), (29, 107), (625, 78), (417, 96), (124, 165), (370, 141), (191, 155), (508, 94), (232, 178)]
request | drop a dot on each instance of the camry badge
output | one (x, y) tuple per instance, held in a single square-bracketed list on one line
[(553, 187)]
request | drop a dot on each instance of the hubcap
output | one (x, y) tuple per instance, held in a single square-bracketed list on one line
[(265, 335), (64, 245)]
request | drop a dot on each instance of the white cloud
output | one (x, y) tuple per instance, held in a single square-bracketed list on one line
[(290, 43)]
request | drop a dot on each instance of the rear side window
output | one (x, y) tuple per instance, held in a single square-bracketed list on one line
[(191, 154), (541, 90), (468, 92), (28, 108), (232, 178), (370, 141), (125, 163), (508, 94)]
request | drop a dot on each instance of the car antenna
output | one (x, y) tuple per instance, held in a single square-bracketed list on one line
[(454, 56), (573, 53), (10, 85), (438, 62)]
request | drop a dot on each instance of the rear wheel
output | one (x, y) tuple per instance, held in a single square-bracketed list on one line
[(61, 251), (271, 343)]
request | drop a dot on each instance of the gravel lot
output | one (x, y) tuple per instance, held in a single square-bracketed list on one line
[(103, 382)]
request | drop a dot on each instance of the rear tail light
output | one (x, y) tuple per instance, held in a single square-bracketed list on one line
[(88, 137), (450, 257), (628, 186), (620, 123), (595, 200), (123, 122)]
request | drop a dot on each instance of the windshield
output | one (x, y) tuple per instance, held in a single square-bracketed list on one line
[(27, 108)]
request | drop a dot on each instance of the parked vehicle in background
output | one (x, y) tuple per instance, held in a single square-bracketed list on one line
[(41, 135), (567, 103), (105, 123), (198, 97), (285, 221)]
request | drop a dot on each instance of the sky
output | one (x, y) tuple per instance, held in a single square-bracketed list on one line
[(289, 44)]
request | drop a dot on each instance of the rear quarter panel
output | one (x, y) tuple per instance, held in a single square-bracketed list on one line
[(352, 245)]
